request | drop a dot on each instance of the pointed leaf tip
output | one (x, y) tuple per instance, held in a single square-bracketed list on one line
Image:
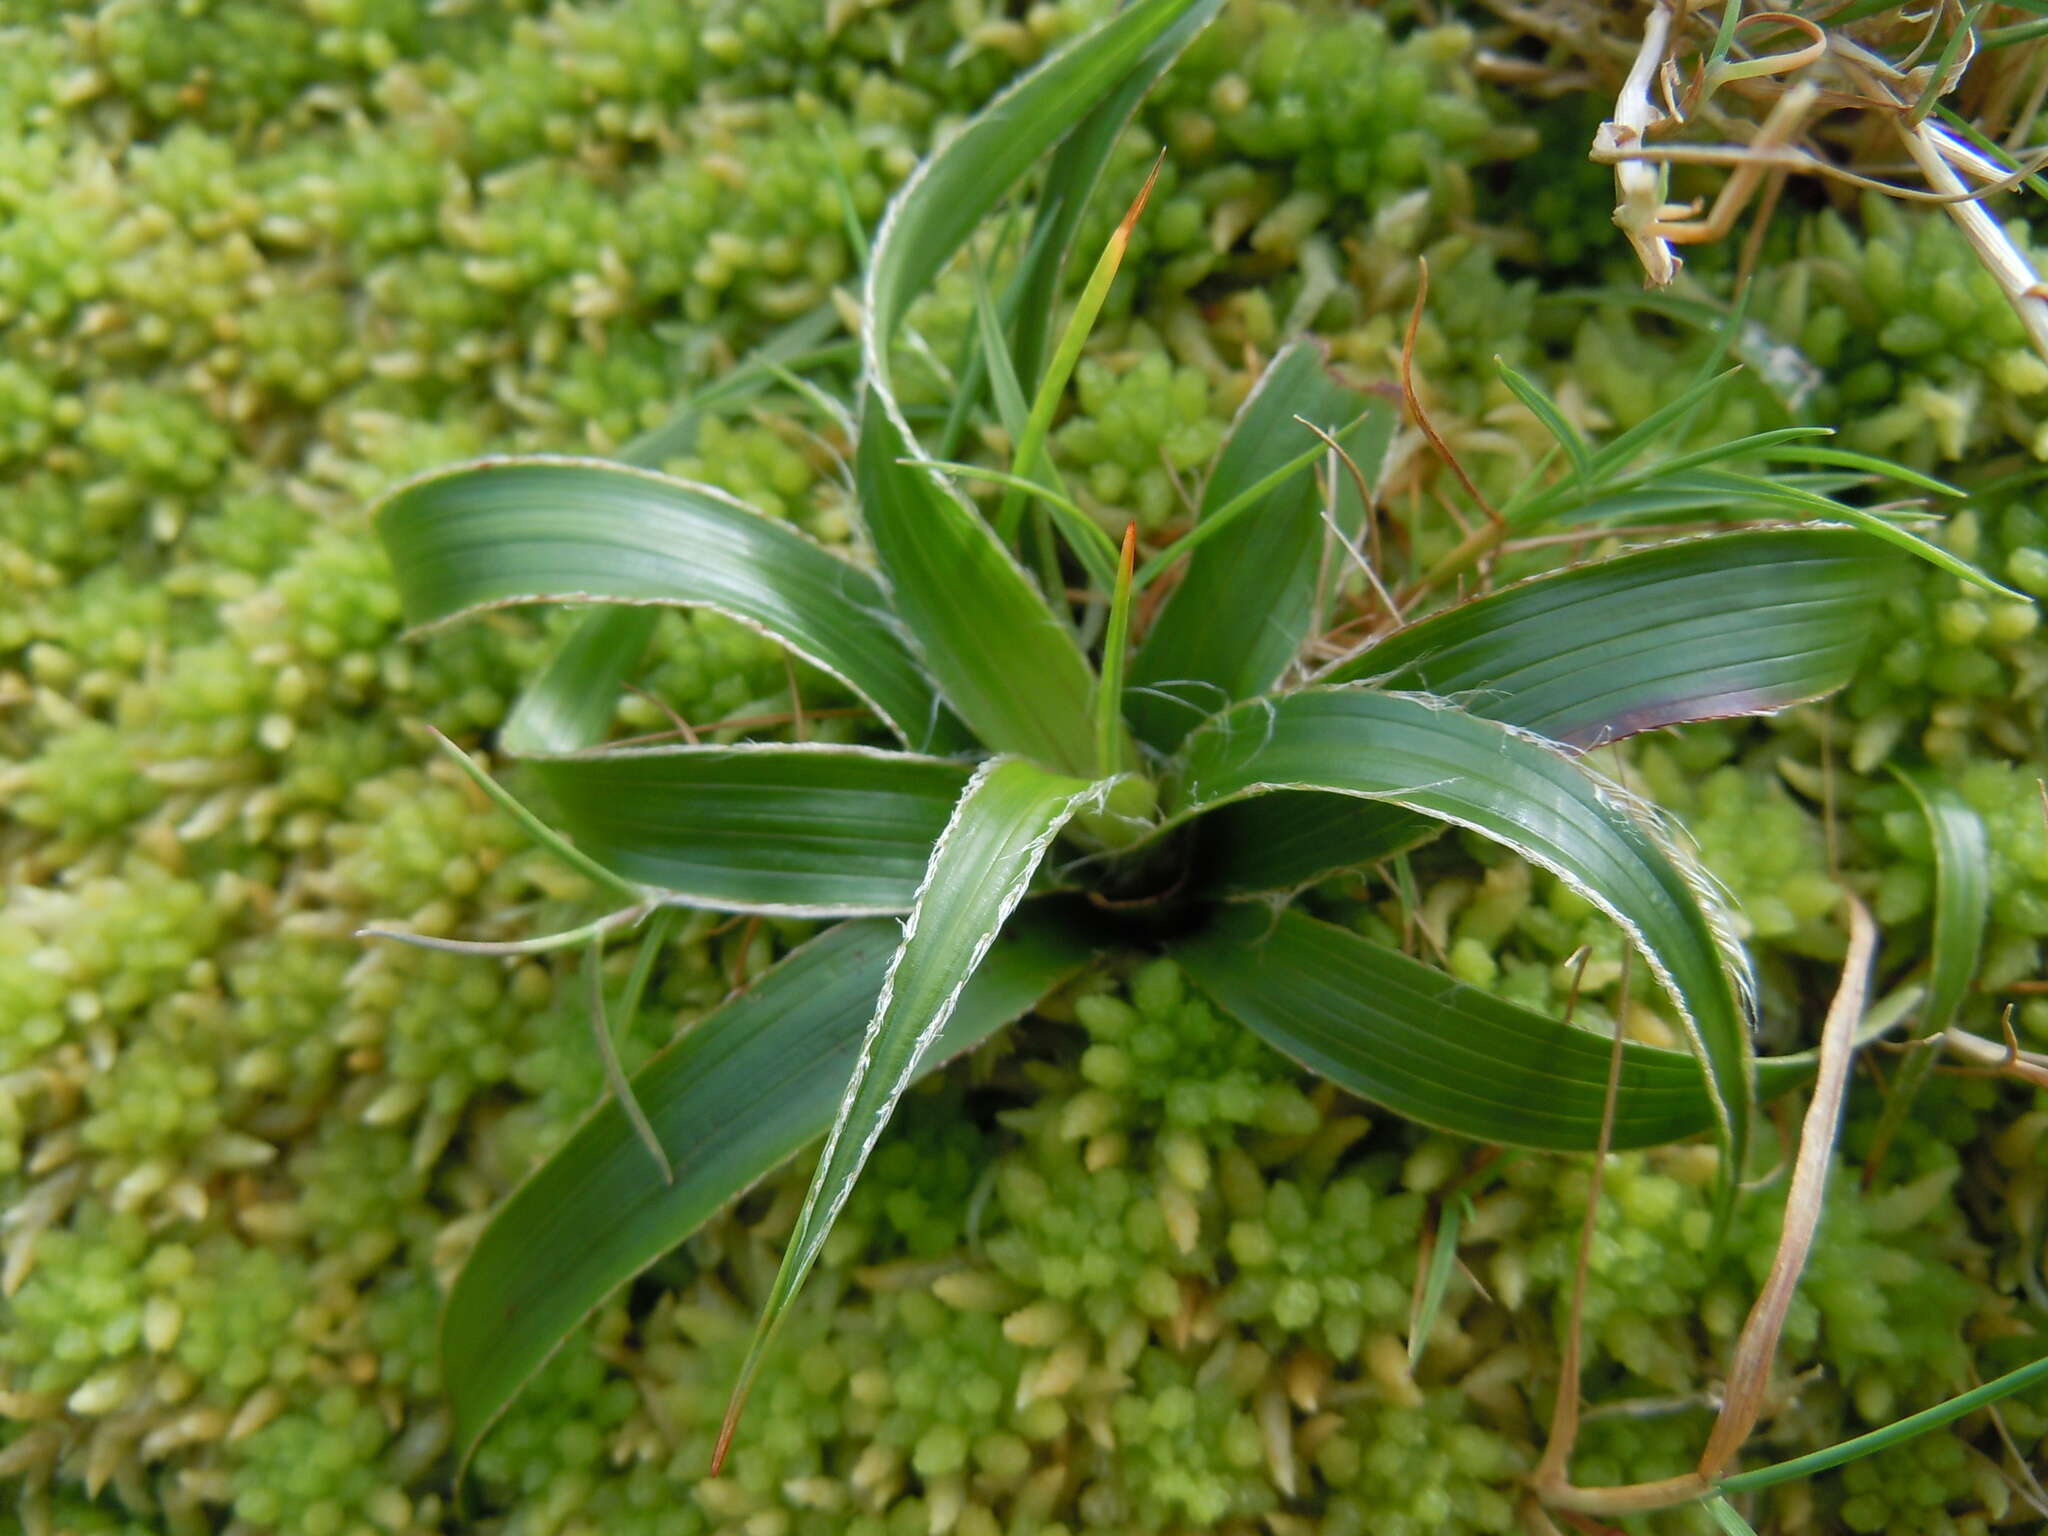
[(1137, 208)]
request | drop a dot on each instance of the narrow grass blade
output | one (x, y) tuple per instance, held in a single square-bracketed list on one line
[(1443, 1255), (608, 1058), (1739, 624), (508, 531), (1109, 696), (1095, 549), (807, 831), (1028, 459), (1962, 893), (742, 1091), (1962, 913), (1011, 409), (1759, 492), (1545, 410), (1245, 603), (1520, 791), (1864, 463), (979, 871), (534, 827), (1799, 1468), (1725, 1516), (1403, 1035)]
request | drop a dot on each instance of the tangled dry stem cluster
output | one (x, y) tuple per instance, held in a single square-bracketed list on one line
[(1839, 93)]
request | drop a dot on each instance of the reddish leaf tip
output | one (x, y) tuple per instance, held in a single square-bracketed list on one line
[(725, 1430), (1130, 556), (1130, 218)]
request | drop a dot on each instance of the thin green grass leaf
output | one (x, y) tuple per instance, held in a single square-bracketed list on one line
[(533, 826), (1725, 1516), (1545, 410), (1443, 1256), (1806, 502), (1800, 1468), (1869, 464), (1011, 409), (608, 1058), (1109, 697), (1029, 458), (1094, 548)]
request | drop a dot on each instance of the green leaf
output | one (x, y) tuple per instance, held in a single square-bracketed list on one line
[(1403, 1035), (1738, 624), (1071, 177), (569, 705), (1963, 1404), (800, 831), (1247, 599), (1778, 493), (1727, 1517), (954, 189), (1735, 624), (1962, 913), (1443, 1255), (741, 1092), (1427, 757), (1962, 893), (979, 871), (1545, 410), (1000, 655), (504, 531), (1002, 660)]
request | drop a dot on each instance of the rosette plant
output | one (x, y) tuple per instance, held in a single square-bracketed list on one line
[(1065, 781)]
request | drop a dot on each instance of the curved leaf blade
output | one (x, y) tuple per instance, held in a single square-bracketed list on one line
[(954, 189), (1247, 599), (797, 831), (1741, 623), (999, 832), (1523, 793), (504, 531), (569, 706), (1738, 624), (1403, 1035), (1962, 893), (736, 1096), (998, 651), (1003, 661)]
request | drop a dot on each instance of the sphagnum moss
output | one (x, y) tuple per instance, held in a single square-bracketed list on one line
[(259, 262)]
